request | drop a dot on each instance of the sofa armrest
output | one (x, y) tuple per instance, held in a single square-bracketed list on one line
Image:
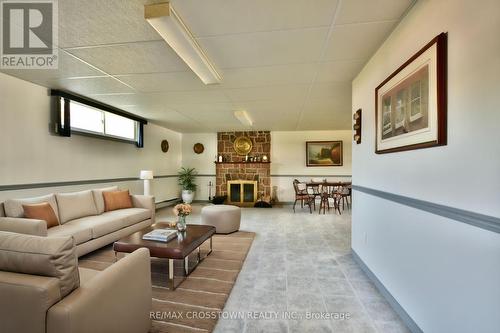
[(145, 201), (117, 299), (24, 226), (25, 300)]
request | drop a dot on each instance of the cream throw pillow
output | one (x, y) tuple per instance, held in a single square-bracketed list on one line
[(75, 205), (14, 207)]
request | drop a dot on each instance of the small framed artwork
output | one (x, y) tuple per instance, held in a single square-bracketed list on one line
[(324, 153), (410, 105)]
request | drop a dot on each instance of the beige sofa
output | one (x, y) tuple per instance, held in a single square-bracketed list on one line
[(82, 216), (43, 290)]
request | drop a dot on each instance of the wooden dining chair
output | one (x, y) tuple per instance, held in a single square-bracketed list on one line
[(329, 194), (344, 192), (302, 195), (315, 191)]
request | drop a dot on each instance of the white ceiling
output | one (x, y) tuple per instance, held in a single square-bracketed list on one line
[(289, 63)]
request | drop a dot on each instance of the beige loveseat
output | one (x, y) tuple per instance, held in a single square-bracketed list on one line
[(82, 216), (43, 290)]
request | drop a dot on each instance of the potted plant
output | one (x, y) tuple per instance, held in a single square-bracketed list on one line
[(186, 181)]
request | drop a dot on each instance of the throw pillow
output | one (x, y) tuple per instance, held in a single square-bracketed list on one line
[(75, 205), (99, 200), (117, 200), (42, 211)]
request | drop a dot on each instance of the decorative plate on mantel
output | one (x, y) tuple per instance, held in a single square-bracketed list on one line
[(243, 145)]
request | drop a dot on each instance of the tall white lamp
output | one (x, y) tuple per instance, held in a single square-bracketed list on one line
[(147, 175)]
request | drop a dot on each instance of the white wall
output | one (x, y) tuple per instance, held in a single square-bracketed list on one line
[(444, 273), (203, 163), (30, 154), (288, 159)]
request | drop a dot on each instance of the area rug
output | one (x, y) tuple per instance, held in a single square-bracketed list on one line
[(195, 304)]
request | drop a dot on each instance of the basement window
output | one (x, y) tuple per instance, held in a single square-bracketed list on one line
[(76, 114), (89, 120)]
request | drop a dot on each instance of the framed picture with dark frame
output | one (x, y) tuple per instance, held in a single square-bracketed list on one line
[(410, 105), (324, 153)]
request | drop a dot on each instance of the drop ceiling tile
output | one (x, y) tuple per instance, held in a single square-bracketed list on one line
[(193, 109), (68, 67), (262, 112), (313, 120), (91, 85), (279, 92), (331, 90), (276, 105), (213, 118), (175, 121), (271, 115), (339, 71), (186, 97), (97, 22), (355, 11), (322, 114), (159, 82), (320, 106), (357, 42), (143, 57), (265, 48), (208, 113), (268, 75), (220, 17), (119, 99)]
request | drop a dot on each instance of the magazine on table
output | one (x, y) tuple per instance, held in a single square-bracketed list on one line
[(160, 235)]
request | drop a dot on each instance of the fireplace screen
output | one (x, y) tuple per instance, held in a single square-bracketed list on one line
[(235, 192), (242, 192)]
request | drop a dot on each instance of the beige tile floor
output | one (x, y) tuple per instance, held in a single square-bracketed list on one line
[(301, 263)]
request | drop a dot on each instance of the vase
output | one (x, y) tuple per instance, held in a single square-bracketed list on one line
[(187, 196), (181, 223)]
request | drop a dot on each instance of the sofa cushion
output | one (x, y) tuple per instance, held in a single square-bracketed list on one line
[(98, 198), (14, 207), (75, 205), (42, 211), (117, 200), (80, 233), (130, 215), (112, 221), (45, 256)]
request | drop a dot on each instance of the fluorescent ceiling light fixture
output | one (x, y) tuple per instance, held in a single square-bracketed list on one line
[(165, 20), (243, 117)]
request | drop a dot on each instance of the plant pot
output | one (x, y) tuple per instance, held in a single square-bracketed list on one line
[(187, 196)]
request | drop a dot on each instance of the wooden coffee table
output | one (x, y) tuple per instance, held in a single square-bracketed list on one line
[(176, 249)]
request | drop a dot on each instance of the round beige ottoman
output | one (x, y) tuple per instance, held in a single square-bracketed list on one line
[(224, 218)]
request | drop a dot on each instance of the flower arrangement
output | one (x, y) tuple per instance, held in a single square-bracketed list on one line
[(182, 209)]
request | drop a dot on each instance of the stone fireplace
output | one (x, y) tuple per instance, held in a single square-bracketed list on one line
[(235, 170)]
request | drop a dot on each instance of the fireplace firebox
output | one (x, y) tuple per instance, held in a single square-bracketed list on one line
[(242, 192)]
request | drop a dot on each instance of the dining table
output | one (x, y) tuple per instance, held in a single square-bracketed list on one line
[(325, 189)]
